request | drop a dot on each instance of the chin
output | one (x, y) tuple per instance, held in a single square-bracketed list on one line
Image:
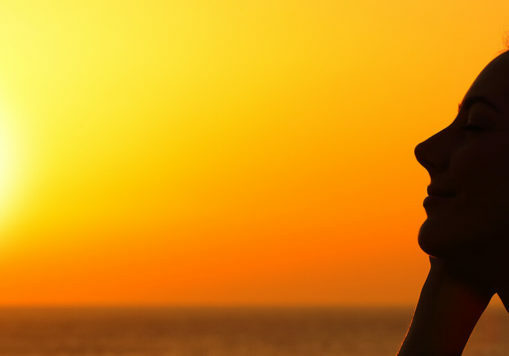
[(436, 240)]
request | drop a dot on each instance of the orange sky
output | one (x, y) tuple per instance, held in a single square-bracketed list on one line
[(225, 152)]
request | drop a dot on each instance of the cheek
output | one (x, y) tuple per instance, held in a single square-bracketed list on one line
[(481, 172), (482, 166)]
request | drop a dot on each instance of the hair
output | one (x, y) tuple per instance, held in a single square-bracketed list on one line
[(506, 43)]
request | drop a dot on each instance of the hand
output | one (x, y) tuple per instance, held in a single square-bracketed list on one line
[(450, 304), (485, 268)]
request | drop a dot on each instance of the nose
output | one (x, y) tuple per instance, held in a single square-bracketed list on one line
[(421, 155), (433, 153)]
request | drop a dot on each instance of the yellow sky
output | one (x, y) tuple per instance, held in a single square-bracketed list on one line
[(225, 152)]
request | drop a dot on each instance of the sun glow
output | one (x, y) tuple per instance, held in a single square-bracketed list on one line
[(10, 163), (217, 152)]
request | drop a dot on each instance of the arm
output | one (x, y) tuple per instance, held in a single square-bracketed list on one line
[(448, 309)]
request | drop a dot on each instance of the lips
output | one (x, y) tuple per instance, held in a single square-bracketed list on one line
[(440, 192), (436, 202)]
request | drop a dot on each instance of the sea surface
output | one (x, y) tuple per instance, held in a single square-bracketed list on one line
[(339, 331)]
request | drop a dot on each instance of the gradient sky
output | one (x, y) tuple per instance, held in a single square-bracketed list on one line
[(225, 152)]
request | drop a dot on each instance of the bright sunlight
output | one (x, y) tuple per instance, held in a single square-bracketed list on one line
[(9, 169)]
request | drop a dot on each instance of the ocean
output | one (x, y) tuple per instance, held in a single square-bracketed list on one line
[(192, 331)]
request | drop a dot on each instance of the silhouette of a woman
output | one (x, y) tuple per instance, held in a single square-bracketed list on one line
[(466, 232)]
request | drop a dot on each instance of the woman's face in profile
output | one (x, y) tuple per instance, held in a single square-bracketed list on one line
[(469, 162)]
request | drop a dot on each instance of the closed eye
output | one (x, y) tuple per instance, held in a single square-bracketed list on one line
[(473, 128)]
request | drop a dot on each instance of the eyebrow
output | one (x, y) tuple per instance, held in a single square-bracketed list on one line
[(468, 102)]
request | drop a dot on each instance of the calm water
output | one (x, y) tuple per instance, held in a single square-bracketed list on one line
[(225, 331)]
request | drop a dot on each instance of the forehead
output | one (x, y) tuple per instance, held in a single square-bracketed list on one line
[(493, 83)]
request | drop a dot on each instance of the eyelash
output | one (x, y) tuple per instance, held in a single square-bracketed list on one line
[(472, 128)]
